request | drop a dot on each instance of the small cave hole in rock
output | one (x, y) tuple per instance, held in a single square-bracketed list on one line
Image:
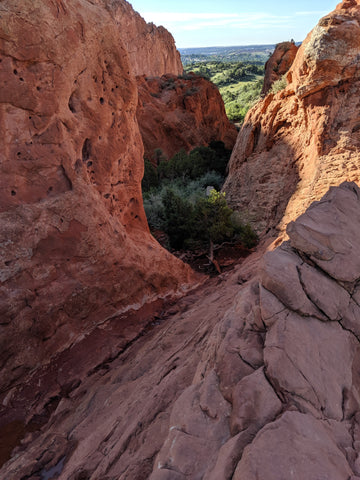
[(13, 193), (107, 195), (86, 150), (101, 100), (21, 79), (18, 154), (89, 164), (38, 88), (30, 117), (15, 71), (71, 103)]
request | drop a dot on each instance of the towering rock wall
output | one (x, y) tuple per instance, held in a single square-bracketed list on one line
[(181, 113), (74, 242), (151, 49), (298, 142)]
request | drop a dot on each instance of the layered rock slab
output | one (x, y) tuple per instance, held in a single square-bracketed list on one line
[(297, 143), (181, 112), (75, 246), (294, 415)]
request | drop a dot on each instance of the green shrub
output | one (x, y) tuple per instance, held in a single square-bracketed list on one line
[(150, 179), (213, 218), (279, 85), (178, 218), (154, 210), (175, 200)]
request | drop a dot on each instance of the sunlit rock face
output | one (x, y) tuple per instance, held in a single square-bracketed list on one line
[(151, 49), (278, 64), (75, 246), (184, 112), (298, 142)]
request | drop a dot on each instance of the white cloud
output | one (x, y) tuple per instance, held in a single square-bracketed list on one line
[(184, 16), (198, 21), (317, 12)]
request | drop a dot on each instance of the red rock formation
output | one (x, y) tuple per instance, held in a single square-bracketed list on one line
[(151, 49), (258, 380), (297, 143), (75, 246), (278, 64), (186, 112)]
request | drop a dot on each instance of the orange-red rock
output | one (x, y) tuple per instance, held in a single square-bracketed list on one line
[(278, 64), (75, 246), (297, 143), (181, 112), (151, 49)]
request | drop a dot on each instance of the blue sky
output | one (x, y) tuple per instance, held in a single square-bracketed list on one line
[(202, 23)]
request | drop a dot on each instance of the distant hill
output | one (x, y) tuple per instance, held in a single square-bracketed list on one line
[(241, 53)]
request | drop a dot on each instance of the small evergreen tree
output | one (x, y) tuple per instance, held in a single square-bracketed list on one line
[(213, 220)]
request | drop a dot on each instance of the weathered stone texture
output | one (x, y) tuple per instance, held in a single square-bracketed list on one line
[(75, 246), (297, 143)]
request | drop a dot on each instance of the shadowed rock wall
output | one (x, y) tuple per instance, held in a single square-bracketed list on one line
[(184, 112), (75, 246)]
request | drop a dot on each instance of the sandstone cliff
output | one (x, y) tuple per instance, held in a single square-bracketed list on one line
[(297, 143), (151, 49), (75, 246), (278, 64), (185, 112), (257, 380)]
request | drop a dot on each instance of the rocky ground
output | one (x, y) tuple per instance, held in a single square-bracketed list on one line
[(253, 375)]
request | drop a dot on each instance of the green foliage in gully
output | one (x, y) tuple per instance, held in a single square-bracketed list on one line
[(175, 200), (239, 83)]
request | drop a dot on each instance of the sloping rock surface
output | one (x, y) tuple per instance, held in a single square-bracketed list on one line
[(278, 64), (181, 112), (74, 243), (251, 379), (297, 143), (151, 49)]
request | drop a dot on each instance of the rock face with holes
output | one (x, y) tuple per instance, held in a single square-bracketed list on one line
[(181, 112), (75, 246), (151, 49), (258, 380), (278, 64), (298, 142)]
